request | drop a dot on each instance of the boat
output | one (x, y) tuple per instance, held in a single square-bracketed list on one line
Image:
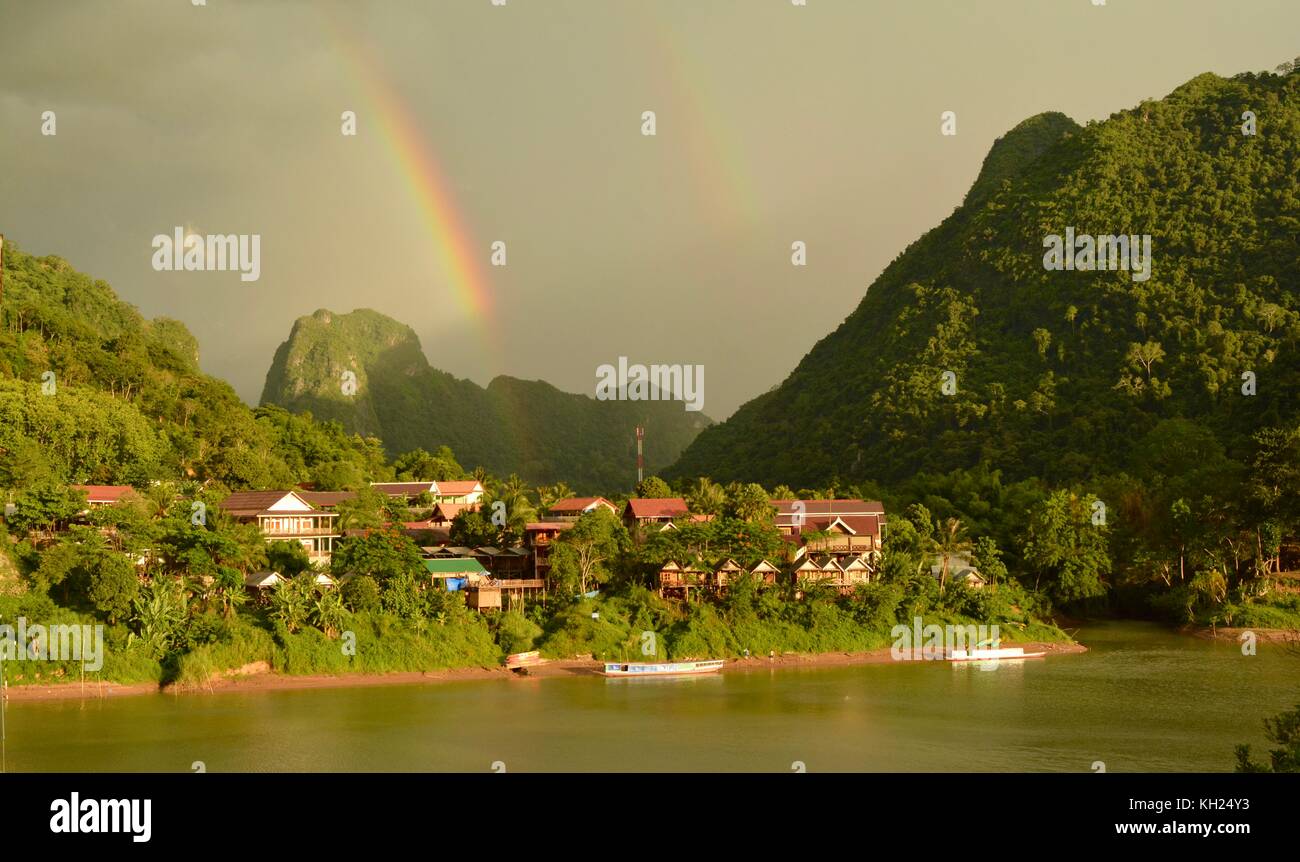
[(990, 654), (678, 668), (524, 659)]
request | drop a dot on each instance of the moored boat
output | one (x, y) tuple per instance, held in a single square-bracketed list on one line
[(990, 654), (524, 659), (679, 668)]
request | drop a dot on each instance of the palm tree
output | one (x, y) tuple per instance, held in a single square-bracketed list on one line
[(948, 541), (548, 495), (707, 496), (519, 507)]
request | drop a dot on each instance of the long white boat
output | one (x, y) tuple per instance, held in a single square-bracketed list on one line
[(991, 654), (679, 668)]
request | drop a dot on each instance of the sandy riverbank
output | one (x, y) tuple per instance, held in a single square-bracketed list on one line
[(263, 680), (1234, 634)]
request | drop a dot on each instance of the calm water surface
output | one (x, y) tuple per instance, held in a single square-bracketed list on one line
[(1142, 699)]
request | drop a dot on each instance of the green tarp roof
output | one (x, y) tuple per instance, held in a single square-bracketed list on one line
[(454, 567)]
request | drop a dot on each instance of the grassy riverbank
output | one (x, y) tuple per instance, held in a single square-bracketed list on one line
[(631, 625)]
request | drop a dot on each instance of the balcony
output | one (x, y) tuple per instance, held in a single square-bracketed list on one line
[(282, 533)]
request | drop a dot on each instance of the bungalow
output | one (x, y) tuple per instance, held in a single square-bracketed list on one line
[(263, 580), (98, 496), (573, 508), (260, 583), (858, 571), (725, 573), (677, 581), (654, 510), (807, 570), (960, 571), (284, 516), (451, 491), (765, 572)]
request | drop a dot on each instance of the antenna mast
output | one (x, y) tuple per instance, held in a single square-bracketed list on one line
[(640, 457)]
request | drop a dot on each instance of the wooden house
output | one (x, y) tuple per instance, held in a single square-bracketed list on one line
[(676, 581), (960, 571), (858, 571), (538, 538), (766, 572), (725, 574)]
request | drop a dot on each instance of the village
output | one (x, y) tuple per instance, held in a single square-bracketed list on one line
[(834, 543)]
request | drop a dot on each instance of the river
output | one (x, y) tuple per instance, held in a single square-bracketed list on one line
[(1143, 699)]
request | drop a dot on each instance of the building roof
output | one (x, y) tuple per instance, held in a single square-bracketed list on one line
[(546, 526), (457, 488), (819, 514), (248, 503), (691, 566), (105, 493), (448, 511), (657, 507), (578, 505), (402, 489), (263, 579), (852, 524), (452, 567), (959, 568), (326, 499)]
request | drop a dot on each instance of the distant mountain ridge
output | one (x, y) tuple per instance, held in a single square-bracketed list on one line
[(511, 426)]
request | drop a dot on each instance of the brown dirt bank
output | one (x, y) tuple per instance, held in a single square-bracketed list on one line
[(265, 681), (1232, 634)]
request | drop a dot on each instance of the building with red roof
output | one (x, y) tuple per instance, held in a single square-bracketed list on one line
[(573, 508)]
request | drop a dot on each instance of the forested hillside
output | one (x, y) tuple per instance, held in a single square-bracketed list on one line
[(526, 427), (90, 391), (1063, 375)]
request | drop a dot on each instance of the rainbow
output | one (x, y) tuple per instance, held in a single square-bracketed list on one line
[(461, 257), (714, 154)]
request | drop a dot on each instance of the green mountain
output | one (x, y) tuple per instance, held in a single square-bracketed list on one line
[(513, 426), (1062, 374), (91, 391)]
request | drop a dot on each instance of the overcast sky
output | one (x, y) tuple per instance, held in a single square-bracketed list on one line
[(775, 123)]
